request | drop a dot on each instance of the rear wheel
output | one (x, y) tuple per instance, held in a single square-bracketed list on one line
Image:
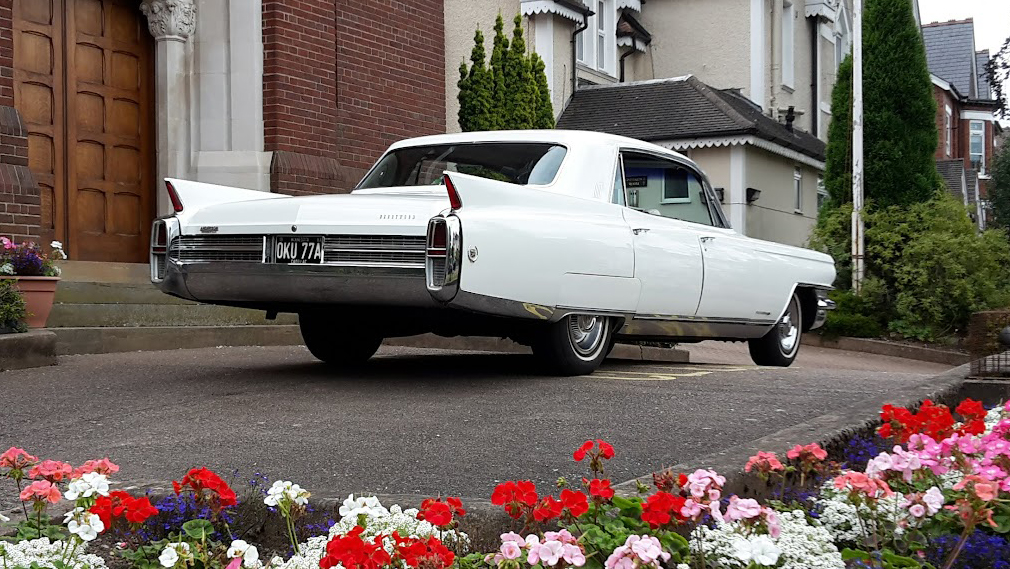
[(781, 344), (575, 345), (335, 344)]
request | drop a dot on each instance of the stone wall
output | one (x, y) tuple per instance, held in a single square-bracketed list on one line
[(342, 80)]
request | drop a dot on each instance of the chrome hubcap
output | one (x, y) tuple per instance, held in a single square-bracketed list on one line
[(586, 334), (789, 332)]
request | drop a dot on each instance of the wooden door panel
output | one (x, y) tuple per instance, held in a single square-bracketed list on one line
[(39, 93), (84, 84), (110, 176)]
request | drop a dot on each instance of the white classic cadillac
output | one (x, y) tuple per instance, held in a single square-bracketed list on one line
[(565, 241)]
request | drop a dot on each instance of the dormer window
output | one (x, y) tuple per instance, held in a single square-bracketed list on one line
[(596, 47)]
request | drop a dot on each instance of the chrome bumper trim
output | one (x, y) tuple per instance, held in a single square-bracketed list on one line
[(824, 304), (278, 284)]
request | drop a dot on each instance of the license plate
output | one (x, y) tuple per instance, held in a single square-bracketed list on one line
[(288, 249)]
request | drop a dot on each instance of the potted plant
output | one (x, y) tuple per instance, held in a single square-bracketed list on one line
[(35, 274), (12, 308)]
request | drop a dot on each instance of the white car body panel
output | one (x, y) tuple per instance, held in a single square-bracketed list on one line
[(534, 251)]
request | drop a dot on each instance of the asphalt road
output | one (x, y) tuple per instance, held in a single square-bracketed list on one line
[(414, 421)]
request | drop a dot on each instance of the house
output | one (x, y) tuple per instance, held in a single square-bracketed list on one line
[(965, 112), (767, 173)]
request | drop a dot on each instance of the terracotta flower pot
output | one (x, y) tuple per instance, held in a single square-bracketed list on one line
[(39, 293)]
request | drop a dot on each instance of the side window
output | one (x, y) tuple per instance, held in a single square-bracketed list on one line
[(665, 187), (618, 195)]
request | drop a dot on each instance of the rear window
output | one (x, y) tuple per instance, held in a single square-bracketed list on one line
[(514, 162)]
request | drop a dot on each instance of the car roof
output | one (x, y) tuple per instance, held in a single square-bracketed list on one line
[(570, 138)]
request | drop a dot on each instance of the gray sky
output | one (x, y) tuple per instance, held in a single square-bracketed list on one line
[(992, 18)]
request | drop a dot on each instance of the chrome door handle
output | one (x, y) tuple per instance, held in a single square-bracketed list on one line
[(640, 230)]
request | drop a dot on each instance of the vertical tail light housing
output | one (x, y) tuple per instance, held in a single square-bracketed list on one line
[(443, 257), (174, 197)]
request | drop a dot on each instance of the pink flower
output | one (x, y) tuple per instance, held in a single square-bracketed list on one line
[(510, 550), (42, 491), (574, 555), (638, 551), (51, 470), (984, 489), (742, 509), (547, 553), (764, 462), (933, 498), (917, 510), (17, 459), (810, 452), (101, 466), (701, 481), (859, 482), (772, 519), (691, 509)]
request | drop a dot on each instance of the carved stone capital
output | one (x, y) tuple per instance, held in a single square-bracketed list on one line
[(170, 19)]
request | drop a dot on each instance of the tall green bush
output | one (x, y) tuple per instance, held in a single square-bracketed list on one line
[(511, 91), (899, 113), (999, 188)]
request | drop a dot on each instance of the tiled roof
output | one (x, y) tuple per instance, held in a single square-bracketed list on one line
[(678, 109), (952, 172), (950, 53), (981, 59)]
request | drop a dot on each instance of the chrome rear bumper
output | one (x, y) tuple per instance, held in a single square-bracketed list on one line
[(276, 284)]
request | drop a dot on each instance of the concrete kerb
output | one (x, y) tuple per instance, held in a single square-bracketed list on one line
[(830, 430), (35, 348), (885, 348)]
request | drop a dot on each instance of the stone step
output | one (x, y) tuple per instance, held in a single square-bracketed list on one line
[(137, 315), (80, 292), (92, 271), (91, 340)]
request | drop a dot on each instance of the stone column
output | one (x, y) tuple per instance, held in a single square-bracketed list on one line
[(171, 22)]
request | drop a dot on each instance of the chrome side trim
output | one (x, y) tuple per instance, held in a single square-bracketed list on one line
[(159, 258), (715, 328), (501, 306)]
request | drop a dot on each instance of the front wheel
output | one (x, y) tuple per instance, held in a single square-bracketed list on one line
[(575, 345), (335, 344), (781, 344)]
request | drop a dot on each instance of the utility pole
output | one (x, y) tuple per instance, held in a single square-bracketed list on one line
[(858, 242)]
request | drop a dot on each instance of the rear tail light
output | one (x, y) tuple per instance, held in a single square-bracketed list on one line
[(159, 241), (174, 196), (437, 239), (454, 201)]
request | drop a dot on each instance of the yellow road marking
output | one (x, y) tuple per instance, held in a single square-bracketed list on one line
[(666, 374)]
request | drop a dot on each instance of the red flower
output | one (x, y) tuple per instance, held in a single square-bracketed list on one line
[(580, 453), (456, 505), (352, 552), (606, 450), (548, 509), (600, 489), (515, 496), (575, 501), (661, 508), (219, 494), (435, 512), (121, 504), (971, 410), (429, 553)]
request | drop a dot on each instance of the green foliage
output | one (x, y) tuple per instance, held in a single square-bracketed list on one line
[(928, 269), (999, 188), (900, 135), (198, 529), (511, 92), (144, 556), (609, 530), (36, 527), (12, 307), (885, 559)]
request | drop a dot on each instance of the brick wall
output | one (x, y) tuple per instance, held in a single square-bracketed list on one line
[(342, 80), (19, 194)]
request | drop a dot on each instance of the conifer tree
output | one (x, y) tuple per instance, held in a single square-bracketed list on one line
[(498, 57), (476, 90), (545, 108), (838, 166)]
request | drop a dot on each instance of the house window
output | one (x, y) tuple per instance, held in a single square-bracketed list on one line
[(798, 190), (597, 44), (976, 145), (788, 47), (822, 193), (666, 188), (948, 134)]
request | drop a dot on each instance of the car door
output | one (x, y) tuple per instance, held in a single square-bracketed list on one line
[(668, 258), (741, 282)]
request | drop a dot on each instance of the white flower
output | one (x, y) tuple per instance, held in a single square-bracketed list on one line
[(760, 550), (56, 245), (284, 491), (84, 525), (170, 555), (249, 554), (45, 553), (802, 545), (369, 506), (7, 269), (86, 486), (933, 498)]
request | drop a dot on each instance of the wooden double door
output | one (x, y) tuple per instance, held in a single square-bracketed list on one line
[(84, 84)]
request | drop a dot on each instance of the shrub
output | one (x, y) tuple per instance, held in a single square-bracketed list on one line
[(928, 268), (12, 307)]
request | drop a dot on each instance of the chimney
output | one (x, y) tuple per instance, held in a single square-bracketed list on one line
[(790, 117)]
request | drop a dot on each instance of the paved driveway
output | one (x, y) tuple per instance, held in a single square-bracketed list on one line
[(415, 421)]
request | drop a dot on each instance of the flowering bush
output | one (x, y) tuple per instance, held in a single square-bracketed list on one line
[(28, 259), (940, 494)]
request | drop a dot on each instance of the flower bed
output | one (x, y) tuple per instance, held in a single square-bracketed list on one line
[(938, 498)]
